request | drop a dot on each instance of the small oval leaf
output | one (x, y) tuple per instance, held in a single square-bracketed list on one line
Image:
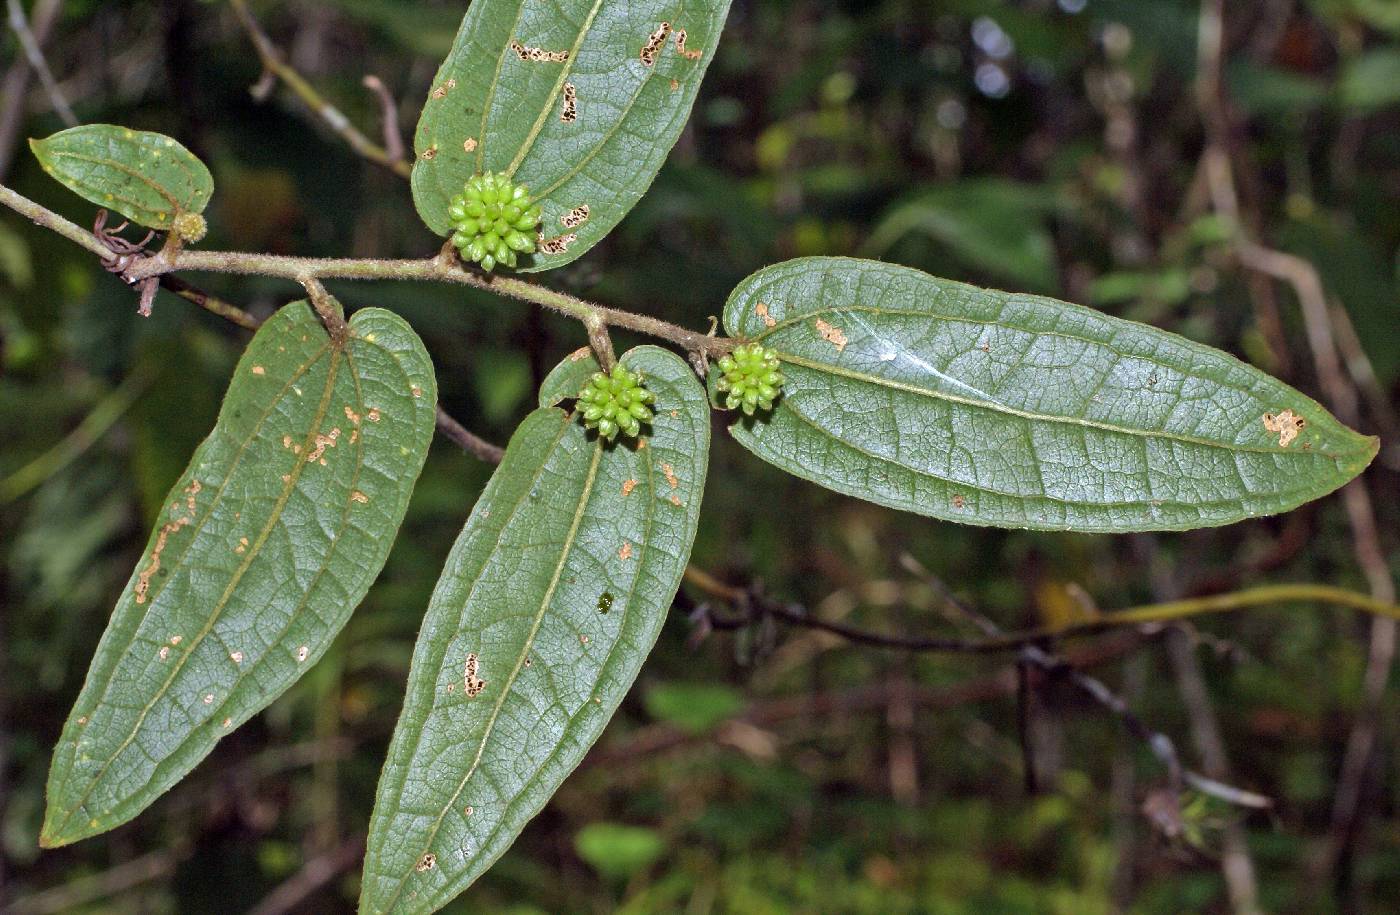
[(579, 100), (1012, 410), (550, 600), (146, 177), (268, 541)]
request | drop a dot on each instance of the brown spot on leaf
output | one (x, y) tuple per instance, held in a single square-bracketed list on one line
[(538, 55), (558, 244), (675, 84), (628, 486), (373, 415), (472, 683), (670, 475), (302, 653), (228, 722), (143, 581), (359, 497), (680, 46), (259, 370), (430, 153), (832, 334), (676, 500), (1287, 424), (323, 442), (626, 552), (208, 698), (236, 657), (569, 114), (352, 415), (655, 41), (761, 309), (426, 863), (242, 546), (575, 217), (958, 501), (164, 652), (469, 144)]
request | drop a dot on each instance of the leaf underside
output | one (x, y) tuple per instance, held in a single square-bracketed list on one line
[(550, 600), (266, 544), (146, 177), (557, 95), (1022, 411)]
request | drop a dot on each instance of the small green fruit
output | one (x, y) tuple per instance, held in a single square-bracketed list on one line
[(751, 378), (615, 402), (495, 220)]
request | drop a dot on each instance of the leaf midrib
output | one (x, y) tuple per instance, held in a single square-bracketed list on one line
[(548, 108), (853, 375), (125, 170), (797, 320), (524, 653), (254, 550), (981, 487)]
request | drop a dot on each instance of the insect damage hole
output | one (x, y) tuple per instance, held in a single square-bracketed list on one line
[(680, 46), (655, 42), (832, 334), (570, 112), (556, 245), (538, 55), (1287, 424), (472, 683)]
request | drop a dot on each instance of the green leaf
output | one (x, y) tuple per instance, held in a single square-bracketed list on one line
[(1372, 81), (551, 599), (693, 707), (618, 851), (992, 225), (500, 103), (566, 380), (146, 177), (1016, 410), (268, 541)]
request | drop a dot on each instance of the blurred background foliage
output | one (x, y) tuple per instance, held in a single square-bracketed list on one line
[(1023, 144)]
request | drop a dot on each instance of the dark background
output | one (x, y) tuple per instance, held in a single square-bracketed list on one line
[(1030, 145)]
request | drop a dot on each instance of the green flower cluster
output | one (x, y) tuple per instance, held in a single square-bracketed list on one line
[(495, 220), (616, 401), (751, 378)]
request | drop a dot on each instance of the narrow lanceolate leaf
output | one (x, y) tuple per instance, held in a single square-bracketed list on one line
[(269, 540), (549, 602), (578, 100), (1022, 411), (146, 177)]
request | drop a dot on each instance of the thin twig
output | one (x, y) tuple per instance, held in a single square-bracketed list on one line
[(20, 24), (274, 64), (16, 83), (389, 112), (468, 441), (87, 433), (1303, 278), (81, 891)]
